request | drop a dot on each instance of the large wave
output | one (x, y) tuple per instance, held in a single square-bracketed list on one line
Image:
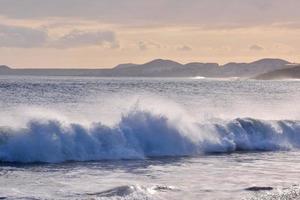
[(140, 134)]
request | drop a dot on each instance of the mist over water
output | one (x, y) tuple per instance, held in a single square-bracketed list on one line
[(57, 120)]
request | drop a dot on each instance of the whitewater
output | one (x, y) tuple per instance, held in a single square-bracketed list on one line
[(139, 138)]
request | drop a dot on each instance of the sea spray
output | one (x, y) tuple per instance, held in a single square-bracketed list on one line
[(140, 134)]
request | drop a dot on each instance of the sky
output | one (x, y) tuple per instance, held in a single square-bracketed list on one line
[(104, 33)]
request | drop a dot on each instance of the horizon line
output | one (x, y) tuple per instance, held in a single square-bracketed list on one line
[(113, 67)]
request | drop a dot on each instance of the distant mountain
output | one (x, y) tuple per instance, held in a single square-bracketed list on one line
[(253, 68), (270, 62), (158, 67), (169, 68), (4, 67), (164, 68), (126, 65), (289, 73)]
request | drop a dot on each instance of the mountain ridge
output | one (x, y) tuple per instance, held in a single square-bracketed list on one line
[(289, 73), (4, 67), (165, 68)]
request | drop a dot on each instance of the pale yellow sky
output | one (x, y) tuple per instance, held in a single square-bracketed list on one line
[(105, 33)]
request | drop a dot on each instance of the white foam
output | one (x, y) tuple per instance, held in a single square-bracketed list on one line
[(142, 133)]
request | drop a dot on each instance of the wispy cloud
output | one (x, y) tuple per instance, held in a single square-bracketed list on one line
[(142, 46), (145, 45), (24, 37), (184, 48), (167, 12), (256, 47), (77, 38)]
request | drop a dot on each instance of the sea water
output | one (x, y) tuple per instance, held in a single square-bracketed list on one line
[(148, 138)]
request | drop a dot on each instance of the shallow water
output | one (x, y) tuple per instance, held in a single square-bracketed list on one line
[(208, 177), (148, 138)]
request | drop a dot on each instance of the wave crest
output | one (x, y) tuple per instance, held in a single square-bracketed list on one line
[(141, 134)]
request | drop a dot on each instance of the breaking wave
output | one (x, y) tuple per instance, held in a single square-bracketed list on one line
[(140, 134)]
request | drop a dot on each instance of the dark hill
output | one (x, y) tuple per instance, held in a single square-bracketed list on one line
[(289, 73)]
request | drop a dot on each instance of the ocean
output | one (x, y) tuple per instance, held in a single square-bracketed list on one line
[(149, 138)]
